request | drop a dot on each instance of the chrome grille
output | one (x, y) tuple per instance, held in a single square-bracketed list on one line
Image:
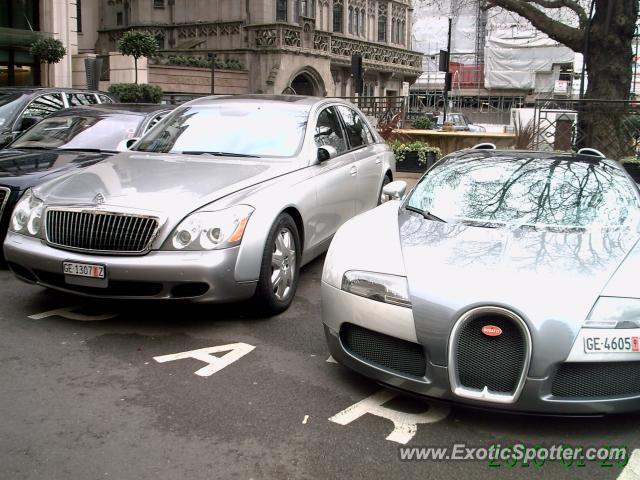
[(4, 196), (100, 231)]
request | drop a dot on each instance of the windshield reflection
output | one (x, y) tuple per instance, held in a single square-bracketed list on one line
[(553, 194), (249, 130)]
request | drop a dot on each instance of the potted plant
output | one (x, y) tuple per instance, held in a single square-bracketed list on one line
[(415, 156), (423, 123), (632, 166), (448, 127)]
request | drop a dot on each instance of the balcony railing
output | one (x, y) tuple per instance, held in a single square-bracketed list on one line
[(282, 36)]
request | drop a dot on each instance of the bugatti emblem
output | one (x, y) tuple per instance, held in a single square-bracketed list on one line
[(491, 331), (98, 199)]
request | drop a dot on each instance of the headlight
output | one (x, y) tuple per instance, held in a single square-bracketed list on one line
[(377, 286), (27, 215), (211, 230), (613, 312)]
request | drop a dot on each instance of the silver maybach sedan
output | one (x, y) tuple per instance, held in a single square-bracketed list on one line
[(503, 279), (224, 200)]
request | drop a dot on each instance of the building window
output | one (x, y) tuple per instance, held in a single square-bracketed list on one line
[(281, 10), (79, 16), (382, 28), (356, 21), (351, 20), (119, 18), (363, 21), (158, 3), (403, 33), (338, 10)]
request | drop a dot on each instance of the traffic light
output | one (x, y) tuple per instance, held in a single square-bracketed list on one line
[(357, 73), (444, 61)]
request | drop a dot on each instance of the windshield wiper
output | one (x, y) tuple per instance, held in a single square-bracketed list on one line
[(425, 214), (219, 154), (88, 150)]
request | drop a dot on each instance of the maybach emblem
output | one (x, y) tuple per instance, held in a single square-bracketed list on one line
[(98, 199)]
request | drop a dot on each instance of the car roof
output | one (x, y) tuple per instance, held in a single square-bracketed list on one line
[(45, 90), (517, 154), (300, 100), (141, 109)]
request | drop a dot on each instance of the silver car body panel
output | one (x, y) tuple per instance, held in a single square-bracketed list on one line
[(322, 196)]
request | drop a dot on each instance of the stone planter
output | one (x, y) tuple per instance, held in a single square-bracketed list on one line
[(411, 162)]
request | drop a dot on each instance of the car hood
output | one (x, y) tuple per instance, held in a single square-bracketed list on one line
[(551, 278), (168, 185), (27, 168)]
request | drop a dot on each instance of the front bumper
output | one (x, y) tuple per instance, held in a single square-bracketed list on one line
[(203, 277), (339, 308)]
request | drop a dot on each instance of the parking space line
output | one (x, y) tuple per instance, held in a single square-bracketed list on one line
[(405, 425), (70, 313)]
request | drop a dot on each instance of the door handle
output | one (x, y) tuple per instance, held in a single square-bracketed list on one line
[(353, 171)]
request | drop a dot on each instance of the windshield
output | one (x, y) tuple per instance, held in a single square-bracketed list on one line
[(525, 191), (9, 104), (80, 132), (271, 130)]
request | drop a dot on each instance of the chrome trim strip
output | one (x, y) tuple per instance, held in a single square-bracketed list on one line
[(7, 194), (99, 221), (486, 394)]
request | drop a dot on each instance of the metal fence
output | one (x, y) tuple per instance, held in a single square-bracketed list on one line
[(379, 108), (613, 127), (179, 98)]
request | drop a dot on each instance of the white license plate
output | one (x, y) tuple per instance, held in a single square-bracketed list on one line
[(611, 343), (84, 270)]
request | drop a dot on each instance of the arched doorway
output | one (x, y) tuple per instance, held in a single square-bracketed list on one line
[(306, 82)]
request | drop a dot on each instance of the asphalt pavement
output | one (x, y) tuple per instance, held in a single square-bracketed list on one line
[(95, 390)]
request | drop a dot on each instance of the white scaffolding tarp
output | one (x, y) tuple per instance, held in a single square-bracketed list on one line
[(525, 61)]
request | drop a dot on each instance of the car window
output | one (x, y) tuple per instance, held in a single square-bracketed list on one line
[(355, 127), (154, 121), (9, 106), (80, 99), (105, 99), (537, 192), (329, 131), (79, 131), (44, 105)]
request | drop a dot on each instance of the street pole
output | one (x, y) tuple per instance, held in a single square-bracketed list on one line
[(446, 76), (212, 59)]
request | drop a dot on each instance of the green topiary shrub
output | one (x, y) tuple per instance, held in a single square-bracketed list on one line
[(136, 93), (49, 51), (423, 123), (137, 44)]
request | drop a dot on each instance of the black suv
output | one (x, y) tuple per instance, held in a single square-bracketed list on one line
[(22, 107)]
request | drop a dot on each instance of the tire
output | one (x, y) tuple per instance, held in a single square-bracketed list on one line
[(275, 292), (382, 197)]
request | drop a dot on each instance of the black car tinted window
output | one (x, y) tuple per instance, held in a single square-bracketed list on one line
[(80, 99), (44, 105)]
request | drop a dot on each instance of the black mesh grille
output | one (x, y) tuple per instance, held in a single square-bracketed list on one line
[(590, 380), (393, 353), (492, 362)]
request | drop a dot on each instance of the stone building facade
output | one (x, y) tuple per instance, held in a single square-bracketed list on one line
[(288, 46)]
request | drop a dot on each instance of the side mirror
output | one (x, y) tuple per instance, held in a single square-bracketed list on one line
[(395, 190), (126, 144), (326, 152), (28, 122)]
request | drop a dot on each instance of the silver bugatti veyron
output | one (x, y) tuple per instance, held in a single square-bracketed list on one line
[(502, 279)]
